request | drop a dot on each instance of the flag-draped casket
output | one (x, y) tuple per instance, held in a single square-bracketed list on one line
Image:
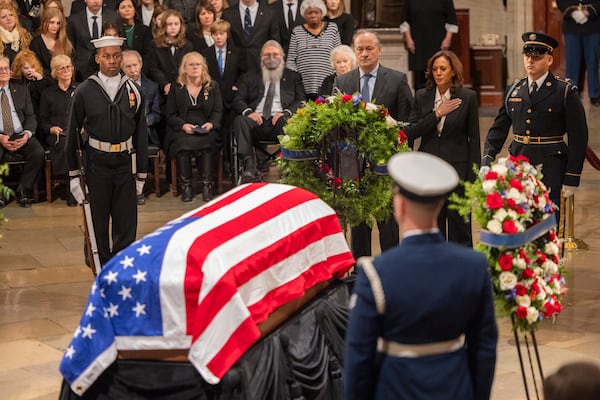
[(204, 281)]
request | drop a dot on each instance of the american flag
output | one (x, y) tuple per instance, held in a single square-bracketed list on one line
[(205, 280)]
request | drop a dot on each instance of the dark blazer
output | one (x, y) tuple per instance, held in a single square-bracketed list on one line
[(198, 41), (459, 302), (391, 89), (458, 143), (23, 106), (153, 114), (79, 35), (345, 23), (142, 36), (79, 5), (554, 110), (280, 10), (326, 88), (265, 28), (231, 73), (252, 90), (163, 67)]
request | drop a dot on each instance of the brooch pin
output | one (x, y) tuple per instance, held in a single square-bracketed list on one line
[(131, 100), (205, 95)]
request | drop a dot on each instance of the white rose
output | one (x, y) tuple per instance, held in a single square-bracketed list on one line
[(551, 248), (519, 263), (520, 227), (539, 271), (330, 99), (500, 215), (502, 160), (489, 185), (494, 226), (370, 107), (550, 267), (557, 286), (541, 295), (541, 202), (285, 139), (513, 215), (524, 301), (508, 280), (500, 168), (391, 122), (513, 194), (532, 314)]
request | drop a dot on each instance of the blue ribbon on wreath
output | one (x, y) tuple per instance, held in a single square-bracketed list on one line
[(518, 239)]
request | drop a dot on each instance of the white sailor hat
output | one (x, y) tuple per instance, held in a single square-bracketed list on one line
[(107, 41), (422, 177)]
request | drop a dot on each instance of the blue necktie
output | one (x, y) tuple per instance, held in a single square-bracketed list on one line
[(220, 61), (248, 23), (365, 92)]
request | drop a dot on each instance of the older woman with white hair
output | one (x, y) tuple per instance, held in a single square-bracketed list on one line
[(342, 60), (310, 46)]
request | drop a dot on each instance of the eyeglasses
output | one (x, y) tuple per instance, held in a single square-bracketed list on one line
[(64, 68), (4, 69)]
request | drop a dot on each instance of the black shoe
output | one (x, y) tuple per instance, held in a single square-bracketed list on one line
[(595, 101), (248, 177), (187, 193), (141, 200), (208, 192), (23, 200), (71, 202)]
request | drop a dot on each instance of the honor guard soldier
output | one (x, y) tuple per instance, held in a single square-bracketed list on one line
[(422, 323), (542, 108), (107, 121)]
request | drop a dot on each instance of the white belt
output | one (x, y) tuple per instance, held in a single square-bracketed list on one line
[(111, 147), (418, 350)]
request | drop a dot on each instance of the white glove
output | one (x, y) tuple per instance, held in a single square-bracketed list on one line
[(139, 186), (579, 17), (76, 190), (568, 191), (483, 171)]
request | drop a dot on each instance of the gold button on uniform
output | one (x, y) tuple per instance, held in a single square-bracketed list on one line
[(528, 121), (529, 111), (527, 132)]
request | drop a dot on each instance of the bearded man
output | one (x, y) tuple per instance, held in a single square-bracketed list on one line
[(264, 102)]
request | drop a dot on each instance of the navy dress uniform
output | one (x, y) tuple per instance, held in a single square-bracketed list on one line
[(540, 121), (422, 323), (110, 110)]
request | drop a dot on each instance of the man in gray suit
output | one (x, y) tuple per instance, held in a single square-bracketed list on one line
[(384, 86), (82, 27)]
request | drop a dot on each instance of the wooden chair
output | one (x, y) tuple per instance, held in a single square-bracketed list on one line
[(15, 159), (154, 156)]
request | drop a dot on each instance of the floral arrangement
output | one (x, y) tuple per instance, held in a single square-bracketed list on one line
[(5, 192), (323, 134), (518, 237)]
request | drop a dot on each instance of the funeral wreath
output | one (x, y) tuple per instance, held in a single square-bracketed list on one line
[(337, 148), (511, 204)]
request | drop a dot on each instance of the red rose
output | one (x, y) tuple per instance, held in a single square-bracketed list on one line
[(325, 168), (520, 289), (515, 183), (523, 255), (320, 100), (494, 201), (520, 211), (509, 227), (541, 257), (337, 182), (527, 273), (555, 259), (506, 262), (491, 175), (548, 309), (511, 203), (521, 312), (535, 288), (401, 136), (346, 98), (552, 235)]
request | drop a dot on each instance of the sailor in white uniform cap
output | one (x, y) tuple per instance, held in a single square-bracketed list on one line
[(109, 107), (422, 323)]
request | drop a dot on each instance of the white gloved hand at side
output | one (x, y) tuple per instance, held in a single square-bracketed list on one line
[(579, 17), (568, 191), (76, 190), (139, 186)]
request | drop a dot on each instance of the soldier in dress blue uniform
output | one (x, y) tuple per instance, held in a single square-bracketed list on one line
[(540, 118), (422, 324)]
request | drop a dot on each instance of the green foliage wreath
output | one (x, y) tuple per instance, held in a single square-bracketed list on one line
[(350, 126)]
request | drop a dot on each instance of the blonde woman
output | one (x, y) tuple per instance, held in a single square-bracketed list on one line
[(52, 40), (194, 110), (13, 37), (54, 115)]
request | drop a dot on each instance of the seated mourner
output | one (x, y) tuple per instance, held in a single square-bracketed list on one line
[(264, 101)]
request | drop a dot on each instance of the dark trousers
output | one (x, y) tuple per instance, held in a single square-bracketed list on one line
[(454, 228), (112, 199), (33, 153), (248, 132), (361, 237)]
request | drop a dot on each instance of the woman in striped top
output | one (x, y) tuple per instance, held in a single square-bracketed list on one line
[(310, 46)]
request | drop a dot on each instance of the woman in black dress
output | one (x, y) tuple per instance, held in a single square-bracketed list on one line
[(343, 59), (336, 12), (199, 31), (194, 110), (52, 40), (137, 34), (54, 115)]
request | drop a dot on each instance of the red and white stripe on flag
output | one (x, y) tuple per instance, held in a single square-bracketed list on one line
[(254, 249)]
